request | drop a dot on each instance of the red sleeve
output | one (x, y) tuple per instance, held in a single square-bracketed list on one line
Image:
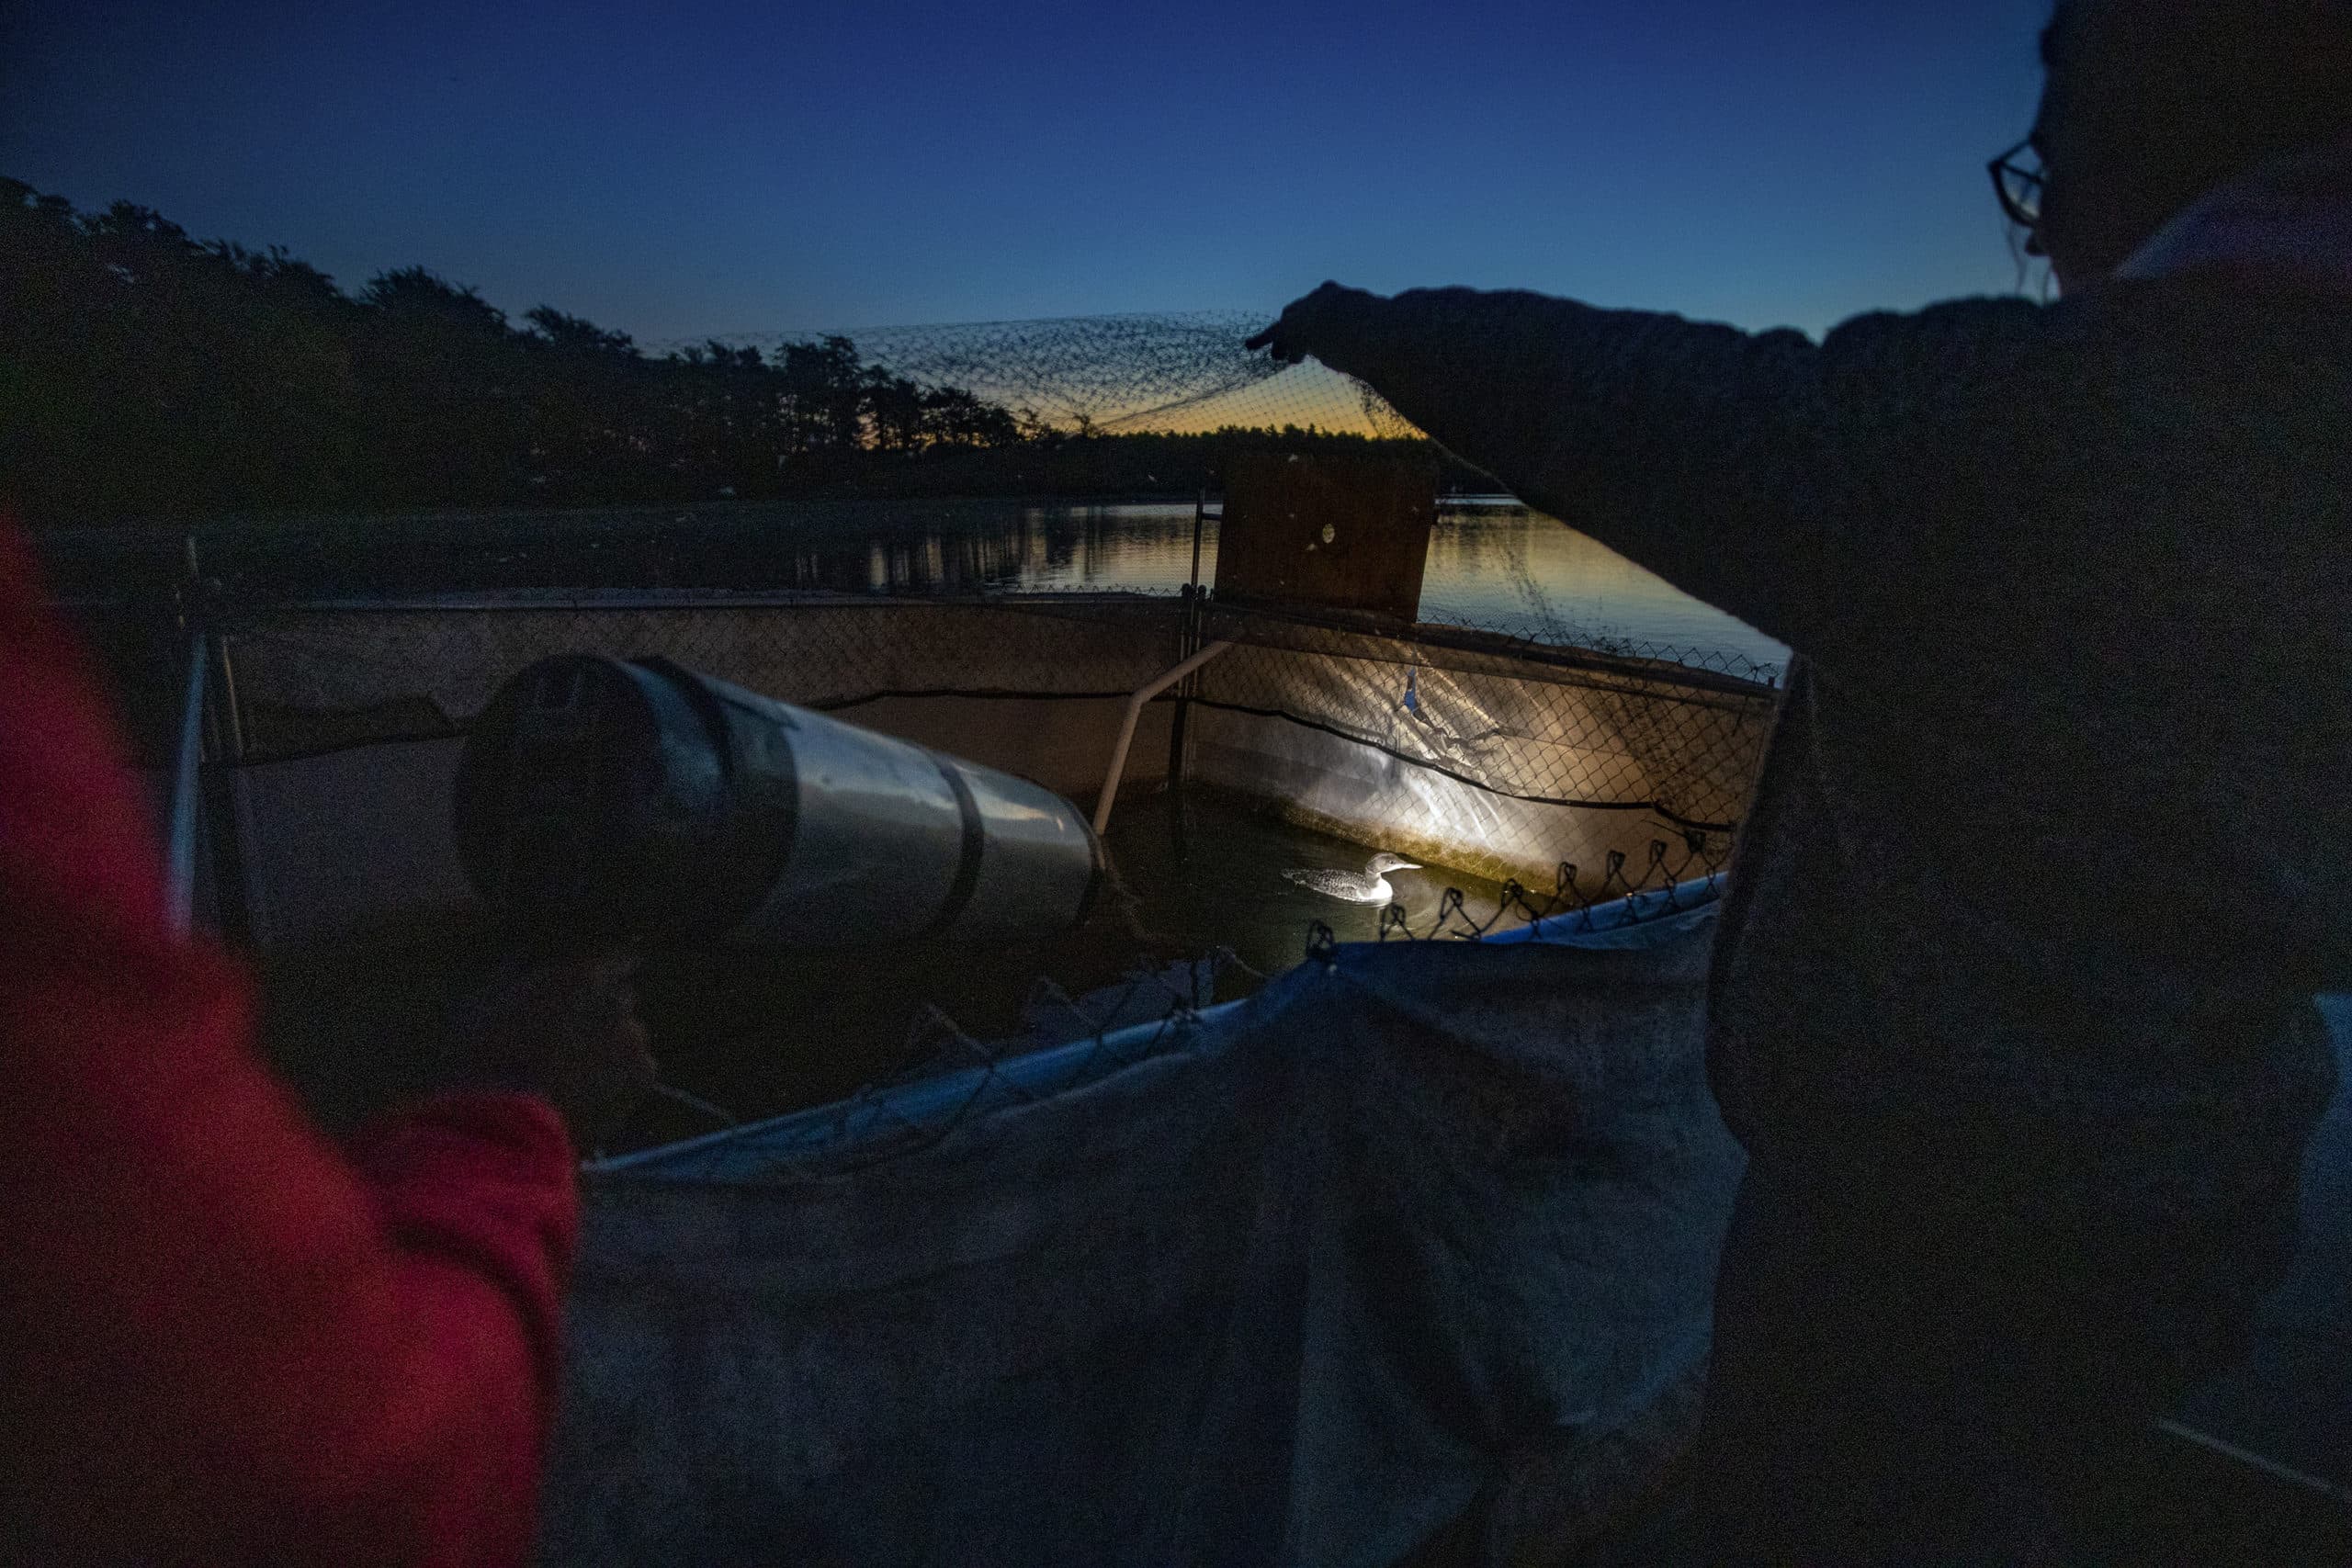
[(224, 1342)]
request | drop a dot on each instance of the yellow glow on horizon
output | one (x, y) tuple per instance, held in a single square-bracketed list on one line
[(1302, 395)]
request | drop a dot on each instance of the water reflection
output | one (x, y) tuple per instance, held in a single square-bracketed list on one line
[(1497, 565)]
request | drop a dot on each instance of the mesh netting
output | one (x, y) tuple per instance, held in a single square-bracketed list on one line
[(1176, 373), (309, 680), (1495, 756), (1594, 731)]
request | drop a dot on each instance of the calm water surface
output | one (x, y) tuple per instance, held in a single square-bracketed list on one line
[(768, 1031), (764, 1030), (1492, 563), (1495, 565)]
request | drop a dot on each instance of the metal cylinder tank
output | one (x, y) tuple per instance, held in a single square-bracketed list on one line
[(604, 801)]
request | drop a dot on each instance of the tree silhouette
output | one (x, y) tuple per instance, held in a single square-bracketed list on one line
[(146, 374)]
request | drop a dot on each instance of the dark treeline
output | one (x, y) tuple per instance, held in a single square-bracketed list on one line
[(147, 374)]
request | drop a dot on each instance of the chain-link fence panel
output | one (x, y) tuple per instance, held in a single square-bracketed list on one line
[(1498, 756), (313, 679)]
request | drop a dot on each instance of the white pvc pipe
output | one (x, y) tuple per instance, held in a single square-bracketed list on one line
[(1128, 728)]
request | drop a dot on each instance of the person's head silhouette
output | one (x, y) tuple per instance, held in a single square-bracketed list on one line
[(2151, 104)]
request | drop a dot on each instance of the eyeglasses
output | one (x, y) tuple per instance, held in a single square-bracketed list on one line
[(2019, 185)]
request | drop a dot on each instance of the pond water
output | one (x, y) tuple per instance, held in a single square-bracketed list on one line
[(761, 1032), (1208, 869), (1492, 563)]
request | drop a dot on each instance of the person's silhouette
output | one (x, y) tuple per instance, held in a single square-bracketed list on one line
[(2012, 1004)]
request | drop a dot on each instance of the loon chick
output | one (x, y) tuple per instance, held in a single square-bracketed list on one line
[(1369, 885)]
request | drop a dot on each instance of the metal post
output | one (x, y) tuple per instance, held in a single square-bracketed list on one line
[(231, 716), (1188, 642), (186, 828), (220, 837), (1142, 695), (180, 862), (1200, 516), (1183, 707)]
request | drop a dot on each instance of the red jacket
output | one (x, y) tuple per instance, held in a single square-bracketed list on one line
[(221, 1341)]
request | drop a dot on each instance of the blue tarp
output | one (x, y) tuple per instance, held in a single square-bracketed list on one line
[(1283, 1282)]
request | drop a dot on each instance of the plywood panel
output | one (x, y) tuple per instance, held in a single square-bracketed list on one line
[(1327, 533)]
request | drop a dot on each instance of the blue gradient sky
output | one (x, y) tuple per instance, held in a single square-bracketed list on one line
[(672, 170)]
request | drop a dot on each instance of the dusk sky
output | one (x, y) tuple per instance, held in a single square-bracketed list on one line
[(677, 169)]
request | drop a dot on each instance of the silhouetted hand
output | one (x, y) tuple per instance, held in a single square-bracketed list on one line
[(566, 1030), (1331, 325)]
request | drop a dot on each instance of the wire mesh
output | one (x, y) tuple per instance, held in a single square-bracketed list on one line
[(1514, 731), (1491, 754), (1552, 726), (316, 679), (1137, 373), (1675, 877)]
